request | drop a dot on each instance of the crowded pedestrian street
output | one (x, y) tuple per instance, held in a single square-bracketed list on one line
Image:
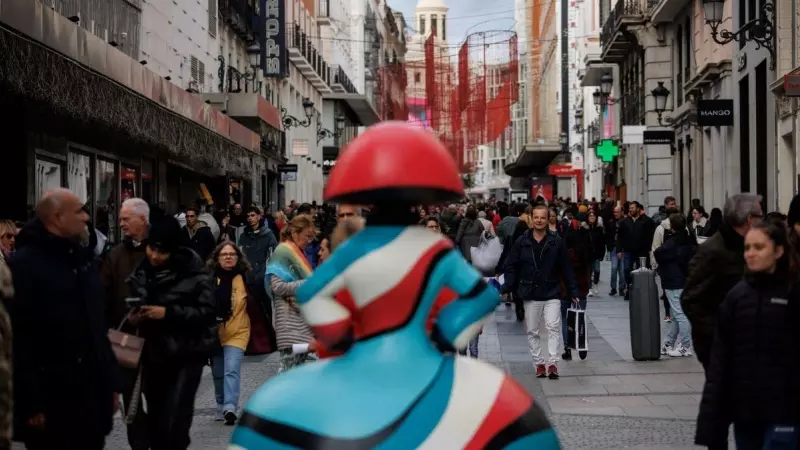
[(609, 401)]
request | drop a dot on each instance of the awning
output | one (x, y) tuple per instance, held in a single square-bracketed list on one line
[(533, 158), (594, 72), (359, 107)]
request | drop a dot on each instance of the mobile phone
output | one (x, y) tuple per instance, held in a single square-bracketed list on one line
[(133, 302)]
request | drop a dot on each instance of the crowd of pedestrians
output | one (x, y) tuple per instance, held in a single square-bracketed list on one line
[(199, 288)]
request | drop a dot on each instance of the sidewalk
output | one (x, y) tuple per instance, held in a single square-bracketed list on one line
[(608, 401)]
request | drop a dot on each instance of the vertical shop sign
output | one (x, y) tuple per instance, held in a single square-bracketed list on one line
[(274, 54)]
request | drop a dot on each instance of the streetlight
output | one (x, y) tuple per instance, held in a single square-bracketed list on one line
[(290, 121), (759, 30), (254, 55), (563, 139), (597, 98), (324, 133), (606, 84), (660, 94)]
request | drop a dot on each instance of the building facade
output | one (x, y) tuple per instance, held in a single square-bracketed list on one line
[(109, 127)]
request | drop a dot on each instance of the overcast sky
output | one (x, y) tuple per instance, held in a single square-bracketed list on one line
[(466, 15)]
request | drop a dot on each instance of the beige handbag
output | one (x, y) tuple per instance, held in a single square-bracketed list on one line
[(127, 347)]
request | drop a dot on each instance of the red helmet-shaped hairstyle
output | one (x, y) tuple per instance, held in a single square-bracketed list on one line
[(394, 162)]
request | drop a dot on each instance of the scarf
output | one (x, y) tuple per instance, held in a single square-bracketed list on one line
[(288, 263), (223, 293)]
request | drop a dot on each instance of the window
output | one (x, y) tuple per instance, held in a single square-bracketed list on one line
[(212, 17), (417, 77), (444, 30), (422, 25), (434, 24), (79, 176), (198, 72), (679, 47), (49, 175), (106, 203)]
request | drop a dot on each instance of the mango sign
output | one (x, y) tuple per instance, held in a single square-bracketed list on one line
[(791, 85)]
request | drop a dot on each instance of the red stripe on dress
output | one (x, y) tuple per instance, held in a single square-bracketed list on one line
[(512, 401)]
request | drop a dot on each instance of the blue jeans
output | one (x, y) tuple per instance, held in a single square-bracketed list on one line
[(680, 326), (596, 268), (616, 271), (473, 347), (565, 305), (226, 367)]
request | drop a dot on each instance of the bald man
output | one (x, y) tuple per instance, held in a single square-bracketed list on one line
[(65, 373)]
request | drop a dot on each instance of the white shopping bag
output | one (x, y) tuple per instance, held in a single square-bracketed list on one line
[(487, 254), (576, 330)]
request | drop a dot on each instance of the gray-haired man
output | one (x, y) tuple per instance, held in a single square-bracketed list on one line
[(716, 267)]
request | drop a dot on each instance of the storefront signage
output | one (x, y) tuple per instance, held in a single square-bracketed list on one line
[(607, 150), (562, 170), (273, 52), (659, 137), (714, 113), (288, 172)]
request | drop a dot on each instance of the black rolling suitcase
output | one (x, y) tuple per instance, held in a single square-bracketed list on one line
[(645, 316)]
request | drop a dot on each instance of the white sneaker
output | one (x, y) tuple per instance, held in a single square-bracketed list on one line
[(591, 293), (666, 349), (679, 351)]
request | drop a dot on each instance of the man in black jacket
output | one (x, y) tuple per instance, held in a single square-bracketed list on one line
[(197, 235), (66, 377), (716, 267), (534, 269), (634, 239)]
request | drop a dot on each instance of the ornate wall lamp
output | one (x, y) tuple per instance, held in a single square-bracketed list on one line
[(290, 121), (324, 133), (759, 30)]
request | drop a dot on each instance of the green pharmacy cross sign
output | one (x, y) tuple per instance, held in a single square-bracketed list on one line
[(607, 150)]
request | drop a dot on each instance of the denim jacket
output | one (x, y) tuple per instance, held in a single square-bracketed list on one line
[(540, 280)]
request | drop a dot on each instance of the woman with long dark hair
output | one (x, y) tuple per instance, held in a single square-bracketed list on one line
[(756, 338), (229, 265)]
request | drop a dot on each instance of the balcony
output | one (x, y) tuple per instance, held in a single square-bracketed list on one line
[(324, 12), (308, 60), (341, 82), (662, 11), (615, 40), (242, 18)]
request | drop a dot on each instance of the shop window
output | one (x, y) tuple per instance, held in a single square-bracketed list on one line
[(129, 182), (106, 203), (148, 181), (79, 177), (49, 175)]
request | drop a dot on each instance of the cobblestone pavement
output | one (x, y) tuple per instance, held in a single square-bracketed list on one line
[(608, 401)]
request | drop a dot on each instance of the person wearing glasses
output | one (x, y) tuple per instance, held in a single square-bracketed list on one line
[(716, 268)]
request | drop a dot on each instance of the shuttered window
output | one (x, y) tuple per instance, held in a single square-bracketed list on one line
[(212, 17), (198, 72)]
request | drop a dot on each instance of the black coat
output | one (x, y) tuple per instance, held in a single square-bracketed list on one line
[(673, 258), (756, 336), (522, 276), (636, 236), (62, 356), (185, 289), (597, 236), (201, 241), (716, 267)]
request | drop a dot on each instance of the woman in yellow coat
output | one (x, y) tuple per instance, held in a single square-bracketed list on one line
[(229, 265)]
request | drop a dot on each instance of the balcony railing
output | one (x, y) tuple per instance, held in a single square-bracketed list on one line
[(621, 9), (341, 82), (309, 60)]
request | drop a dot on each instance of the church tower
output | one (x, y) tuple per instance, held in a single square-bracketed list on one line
[(430, 17)]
